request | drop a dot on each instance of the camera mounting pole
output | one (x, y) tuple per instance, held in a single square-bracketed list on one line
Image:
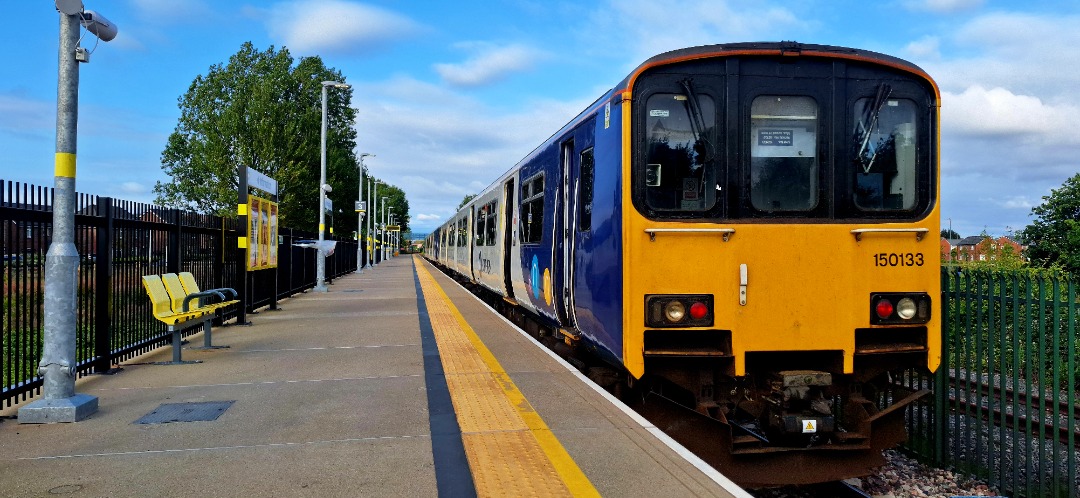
[(58, 358)]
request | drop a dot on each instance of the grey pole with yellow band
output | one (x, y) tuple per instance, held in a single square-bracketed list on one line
[(58, 363)]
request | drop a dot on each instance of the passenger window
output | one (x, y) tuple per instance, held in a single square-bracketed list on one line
[(532, 210), (680, 163), (783, 153), (491, 223), (884, 153), (585, 191), (481, 219)]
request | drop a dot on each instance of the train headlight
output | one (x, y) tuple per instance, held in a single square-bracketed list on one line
[(674, 311), (890, 308), (678, 310), (905, 309)]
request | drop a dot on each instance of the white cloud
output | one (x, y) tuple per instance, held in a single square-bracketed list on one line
[(648, 27), (171, 11), (928, 47), (26, 116), (1021, 52), (943, 6), (309, 26), (133, 188), (1021, 202), (439, 154), (488, 63), (997, 111)]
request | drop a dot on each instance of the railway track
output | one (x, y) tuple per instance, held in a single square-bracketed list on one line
[(992, 405)]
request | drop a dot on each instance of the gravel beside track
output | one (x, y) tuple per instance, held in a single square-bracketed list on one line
[(900, 477)]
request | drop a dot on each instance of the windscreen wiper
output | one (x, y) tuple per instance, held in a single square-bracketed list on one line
[(868, 121)]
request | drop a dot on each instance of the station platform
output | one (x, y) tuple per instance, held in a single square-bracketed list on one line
[(396, 382)]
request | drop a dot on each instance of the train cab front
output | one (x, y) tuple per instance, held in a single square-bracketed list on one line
[(781, 262)]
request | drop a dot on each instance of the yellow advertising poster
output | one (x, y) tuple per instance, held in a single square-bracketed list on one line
[(262, 250)]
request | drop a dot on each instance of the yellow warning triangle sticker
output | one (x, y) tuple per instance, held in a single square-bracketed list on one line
[(809, 426)]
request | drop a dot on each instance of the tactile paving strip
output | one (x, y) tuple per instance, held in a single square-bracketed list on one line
[(511, 451)]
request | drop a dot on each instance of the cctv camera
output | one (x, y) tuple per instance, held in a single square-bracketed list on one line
[(98, 25), (69, 7), (327, 188)]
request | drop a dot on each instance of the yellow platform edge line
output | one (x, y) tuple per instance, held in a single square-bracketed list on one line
[(576, 480)]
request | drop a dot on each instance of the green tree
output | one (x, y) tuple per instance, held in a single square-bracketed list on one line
[(1053, 239), (261, 111), (466, 200), (397, 204), (949, 233)]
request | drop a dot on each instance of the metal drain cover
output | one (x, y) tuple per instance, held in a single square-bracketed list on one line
[(186, 412)]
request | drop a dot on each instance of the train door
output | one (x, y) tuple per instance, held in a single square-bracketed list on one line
[(470, 242), (564, 234), (509, 236)]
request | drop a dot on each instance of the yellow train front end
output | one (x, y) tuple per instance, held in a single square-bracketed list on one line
[(793, 288), (780, 257)]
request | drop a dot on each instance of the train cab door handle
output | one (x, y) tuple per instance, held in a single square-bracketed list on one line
[(742, 284)]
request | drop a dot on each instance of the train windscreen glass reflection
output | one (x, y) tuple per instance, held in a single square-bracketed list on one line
[(783, 153), (678, 176), (885, 153)]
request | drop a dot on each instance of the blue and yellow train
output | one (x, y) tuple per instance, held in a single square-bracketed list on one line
[(745, 234)]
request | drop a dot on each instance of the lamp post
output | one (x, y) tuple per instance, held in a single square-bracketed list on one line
[(393, 234), (384, 220), (320, 258), (374, 185), (361, 209), (59, 362)]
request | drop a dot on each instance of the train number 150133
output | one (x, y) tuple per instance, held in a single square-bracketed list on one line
[(898, 259)]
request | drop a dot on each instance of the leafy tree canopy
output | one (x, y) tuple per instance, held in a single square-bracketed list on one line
[(466, 200), (949, 233), (1054, 236), (265, 112)]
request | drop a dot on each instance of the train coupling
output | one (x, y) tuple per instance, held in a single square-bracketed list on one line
[(802, 407)]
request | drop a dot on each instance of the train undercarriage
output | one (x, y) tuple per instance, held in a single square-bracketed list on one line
[(777, 427)]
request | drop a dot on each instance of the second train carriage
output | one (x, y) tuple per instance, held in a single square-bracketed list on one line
[(746, 231)]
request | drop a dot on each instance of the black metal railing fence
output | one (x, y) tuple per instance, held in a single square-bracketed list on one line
[(119, 242)]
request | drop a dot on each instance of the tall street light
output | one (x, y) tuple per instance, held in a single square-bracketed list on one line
[(373, 190), (320, 259), (385, 220), (361, 208), (58, 362)]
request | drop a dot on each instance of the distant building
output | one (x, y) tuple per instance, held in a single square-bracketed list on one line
[(979, 248)]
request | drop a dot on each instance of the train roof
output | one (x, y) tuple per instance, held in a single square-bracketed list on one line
[(783, 48)]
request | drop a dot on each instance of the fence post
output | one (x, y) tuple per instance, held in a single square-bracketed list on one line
[(174, 260), (103, 272), (941, 377)]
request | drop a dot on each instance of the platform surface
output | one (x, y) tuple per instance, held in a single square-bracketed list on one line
[(396, 382)]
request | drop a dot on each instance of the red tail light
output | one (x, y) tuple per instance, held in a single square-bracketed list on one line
[(884, 309), (698, 310)]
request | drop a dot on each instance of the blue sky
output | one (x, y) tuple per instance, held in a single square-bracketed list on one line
[(451, 94)]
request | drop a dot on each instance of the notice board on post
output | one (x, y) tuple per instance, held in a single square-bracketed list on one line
[(262, 247)]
